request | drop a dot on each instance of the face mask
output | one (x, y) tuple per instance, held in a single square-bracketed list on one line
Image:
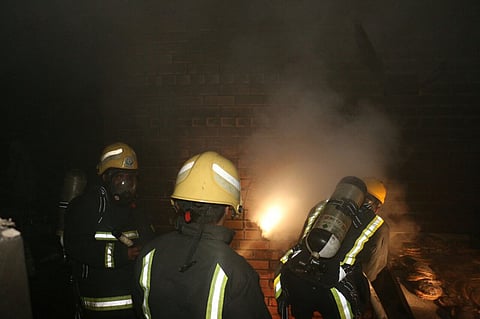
[(123, 187)]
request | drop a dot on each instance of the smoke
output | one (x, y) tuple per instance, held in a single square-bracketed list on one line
[(308, 147)]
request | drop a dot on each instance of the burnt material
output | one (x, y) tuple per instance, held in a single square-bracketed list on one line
[(449, 261)]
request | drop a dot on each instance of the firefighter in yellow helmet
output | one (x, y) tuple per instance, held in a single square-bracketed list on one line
[(104, 232), (343, 246), (192, 272), (375, 253)]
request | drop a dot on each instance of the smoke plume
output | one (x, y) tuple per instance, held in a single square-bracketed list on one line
[(309, 146)]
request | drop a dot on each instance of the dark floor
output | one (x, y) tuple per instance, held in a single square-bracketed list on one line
[(50, 290)]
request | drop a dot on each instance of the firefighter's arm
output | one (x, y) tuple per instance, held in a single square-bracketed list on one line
[(85, 244), (374, 256), (281, 295), (145, 227)]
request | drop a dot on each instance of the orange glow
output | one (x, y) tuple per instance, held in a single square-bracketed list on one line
[(270, 219)]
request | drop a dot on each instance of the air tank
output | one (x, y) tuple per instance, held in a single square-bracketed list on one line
[(335, 219), (74, 184)]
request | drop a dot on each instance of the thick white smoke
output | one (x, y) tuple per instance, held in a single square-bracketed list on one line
[(308, 147)]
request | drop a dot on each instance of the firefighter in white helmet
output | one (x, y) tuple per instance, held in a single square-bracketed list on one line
[(192, 272), (336, 284), (104, 232)]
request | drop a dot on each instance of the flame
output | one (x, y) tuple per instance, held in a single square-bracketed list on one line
[(270, 219)]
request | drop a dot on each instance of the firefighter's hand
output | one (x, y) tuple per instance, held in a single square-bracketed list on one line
[(133, 252)]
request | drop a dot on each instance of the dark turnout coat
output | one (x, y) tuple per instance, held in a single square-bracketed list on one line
[(101, 269), (218, 284)]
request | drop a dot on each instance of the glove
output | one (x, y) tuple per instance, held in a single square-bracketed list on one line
[(133, 252)]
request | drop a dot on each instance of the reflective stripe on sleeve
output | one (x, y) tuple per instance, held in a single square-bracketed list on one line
[(107, 304), (277, 286), (287, 255), (145, 282), (216, 294), (131, 234), (361, 240), (343, 305)]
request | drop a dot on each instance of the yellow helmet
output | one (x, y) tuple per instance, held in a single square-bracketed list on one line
[(376, 188), (209, 178), (117, 155)]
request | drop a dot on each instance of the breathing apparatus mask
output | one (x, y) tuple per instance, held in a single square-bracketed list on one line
[(371, 203), (122, 185)]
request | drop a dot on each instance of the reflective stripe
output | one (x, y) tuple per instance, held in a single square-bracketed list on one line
[(343, 305), (361, 240), (109, 261), (277, 286), (287, 255), (105, 235), (217, 293), (313, 218), (186, 167), (144, 282), (111, 153), (107, 304), (63, 204), (102, 205), (225, 175)]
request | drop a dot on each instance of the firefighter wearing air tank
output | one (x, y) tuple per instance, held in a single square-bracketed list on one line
[(343, 246), (104, 232)]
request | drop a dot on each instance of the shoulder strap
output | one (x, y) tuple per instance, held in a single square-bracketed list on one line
[(102, 203)]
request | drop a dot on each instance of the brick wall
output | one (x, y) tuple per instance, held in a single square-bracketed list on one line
[(173, 85)]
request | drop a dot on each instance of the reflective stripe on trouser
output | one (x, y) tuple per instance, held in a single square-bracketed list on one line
[(107, 303), (216, 294), (343, 305)]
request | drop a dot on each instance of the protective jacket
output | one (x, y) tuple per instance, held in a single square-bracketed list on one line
[(101, 271), (218, 283), (337, 286)]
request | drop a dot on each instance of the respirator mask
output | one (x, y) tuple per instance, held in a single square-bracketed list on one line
[(122, 185)]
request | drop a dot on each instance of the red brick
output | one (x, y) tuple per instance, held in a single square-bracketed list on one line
[(247, 254), (259, 264), (251, 244), (253, 234), (234, 224)]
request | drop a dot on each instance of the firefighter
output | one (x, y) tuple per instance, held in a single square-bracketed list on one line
[(338, 286), (192, 272), (104, 232)]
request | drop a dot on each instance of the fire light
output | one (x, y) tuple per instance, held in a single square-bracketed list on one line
[(270, 219)]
